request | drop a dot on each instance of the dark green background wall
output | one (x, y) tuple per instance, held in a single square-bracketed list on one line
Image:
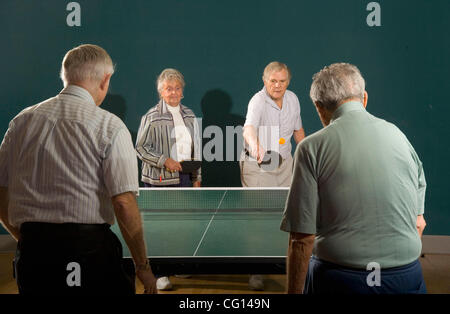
[(222, 47)]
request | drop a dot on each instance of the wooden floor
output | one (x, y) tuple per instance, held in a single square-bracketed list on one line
[(436, 270)]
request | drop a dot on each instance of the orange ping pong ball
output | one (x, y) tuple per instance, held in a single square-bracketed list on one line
[(282, 141)]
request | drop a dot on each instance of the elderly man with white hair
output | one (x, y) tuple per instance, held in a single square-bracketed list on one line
[(67, 170), (273, 118), (357, 198)]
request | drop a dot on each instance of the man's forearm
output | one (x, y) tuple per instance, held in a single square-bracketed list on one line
[(4, 201), (299, 135), (250, 137), (130, 224), (420, 224), (299, 253)]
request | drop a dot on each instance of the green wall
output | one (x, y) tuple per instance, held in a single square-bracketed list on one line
[(221, 47)]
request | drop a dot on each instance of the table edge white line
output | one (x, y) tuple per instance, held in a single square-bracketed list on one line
[(209, 224)]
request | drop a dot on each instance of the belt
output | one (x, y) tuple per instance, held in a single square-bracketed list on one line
[(46, 227), (268, 157)]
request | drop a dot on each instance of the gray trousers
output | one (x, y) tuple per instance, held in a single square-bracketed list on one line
[(252, 175)]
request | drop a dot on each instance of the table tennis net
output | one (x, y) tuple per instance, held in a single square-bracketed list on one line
[(205, 199)]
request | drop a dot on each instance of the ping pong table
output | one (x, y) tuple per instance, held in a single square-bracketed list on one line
[(212, 230)]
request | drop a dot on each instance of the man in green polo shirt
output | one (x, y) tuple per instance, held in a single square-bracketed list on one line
[(357, 198)]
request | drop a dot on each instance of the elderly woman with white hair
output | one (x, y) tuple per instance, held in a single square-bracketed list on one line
[(168, 135)]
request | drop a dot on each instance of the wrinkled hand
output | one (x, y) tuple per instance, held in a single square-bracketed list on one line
[(172, 165), (148, 280), (420, 224), (196, 184), (258, 153)]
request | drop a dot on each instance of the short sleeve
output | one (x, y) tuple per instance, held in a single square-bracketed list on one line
[(120, 169), (421, 182), (298, 121), (4, 153), (421, 191), (302, 204), (254, 111)]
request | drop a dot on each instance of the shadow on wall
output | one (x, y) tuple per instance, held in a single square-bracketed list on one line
[(117, 105), (216, 107)]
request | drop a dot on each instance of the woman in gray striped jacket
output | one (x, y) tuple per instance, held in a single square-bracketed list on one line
[(168, 134)]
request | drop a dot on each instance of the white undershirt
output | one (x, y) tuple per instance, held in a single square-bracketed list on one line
[(182, 135)]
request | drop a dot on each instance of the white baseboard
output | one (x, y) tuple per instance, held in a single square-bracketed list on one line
[(431, 244)]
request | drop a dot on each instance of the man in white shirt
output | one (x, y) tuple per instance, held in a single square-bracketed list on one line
[(273, 117), (67, 169)]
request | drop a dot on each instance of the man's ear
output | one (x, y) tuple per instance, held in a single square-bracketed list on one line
[(104, 84), (366, 96), (319, 107)]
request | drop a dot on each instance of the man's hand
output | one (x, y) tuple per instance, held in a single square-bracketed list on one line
[(420, 224), (148, 280), (196, 184), (4, 220), (172, 165), (256, 150), (257, 153)]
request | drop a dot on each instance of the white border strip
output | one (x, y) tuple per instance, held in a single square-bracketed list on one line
[(216, 256), (218, 189)]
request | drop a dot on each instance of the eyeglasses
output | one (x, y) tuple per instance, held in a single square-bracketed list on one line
[(170, 90)]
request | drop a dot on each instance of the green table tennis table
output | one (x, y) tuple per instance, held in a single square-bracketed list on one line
[(212, 230)]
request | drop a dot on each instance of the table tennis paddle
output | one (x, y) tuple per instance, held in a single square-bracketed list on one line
[(189, 166), (271, 160)]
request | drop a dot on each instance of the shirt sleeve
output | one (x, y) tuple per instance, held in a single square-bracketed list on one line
[(298, 122), (254, 112), (4, 153), (421, 190), (145, 147), (120, 169), (421, 182), (302, 204)]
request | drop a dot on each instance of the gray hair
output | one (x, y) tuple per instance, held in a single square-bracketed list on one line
[(275, 66), (168, 75), (84, 63), (335, 83)]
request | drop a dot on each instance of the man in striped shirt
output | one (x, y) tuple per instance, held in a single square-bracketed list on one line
[(67, 169)]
